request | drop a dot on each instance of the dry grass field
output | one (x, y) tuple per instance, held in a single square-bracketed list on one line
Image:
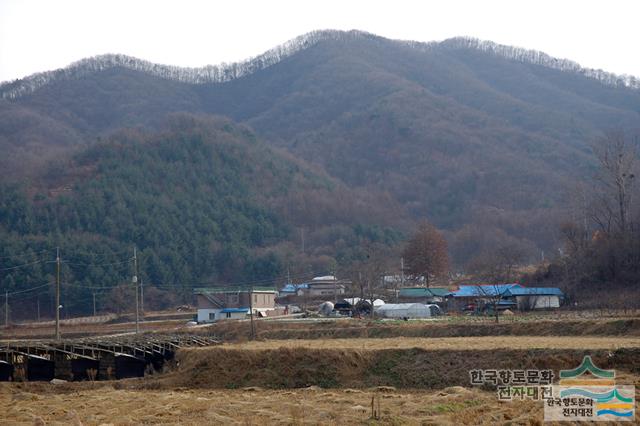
[(230, 331), (446, 343), (253, 406), (330, 372)]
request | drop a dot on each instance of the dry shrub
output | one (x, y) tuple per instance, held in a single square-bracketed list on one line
[(19, 374), (92, 374), (110, 375)]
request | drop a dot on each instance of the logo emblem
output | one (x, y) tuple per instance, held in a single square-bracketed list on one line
[(590, 393)]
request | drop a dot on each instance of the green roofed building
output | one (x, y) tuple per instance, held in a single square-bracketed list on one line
[(423, 294)]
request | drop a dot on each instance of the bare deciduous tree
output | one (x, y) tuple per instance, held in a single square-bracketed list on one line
[(616, 157), (499, 266), (426, 254)]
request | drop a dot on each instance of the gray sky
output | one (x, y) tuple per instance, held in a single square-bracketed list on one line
[(43, 35)]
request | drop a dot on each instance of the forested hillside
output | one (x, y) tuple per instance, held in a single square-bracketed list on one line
[(204, 201), (485, 141)]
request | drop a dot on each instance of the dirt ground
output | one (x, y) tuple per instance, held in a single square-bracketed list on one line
[(108, 406), (452, 343)]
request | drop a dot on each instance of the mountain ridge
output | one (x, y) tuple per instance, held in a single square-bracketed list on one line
[(462, 136), (226, 72)]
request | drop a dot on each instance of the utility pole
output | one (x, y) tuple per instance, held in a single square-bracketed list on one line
[(57, 293), (253, 327), (305, 295), (6, 308), (401, 276), (141, 297), (134, 280), (370, 295)]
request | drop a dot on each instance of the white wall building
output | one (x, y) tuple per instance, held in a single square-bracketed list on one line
[(216, 314)]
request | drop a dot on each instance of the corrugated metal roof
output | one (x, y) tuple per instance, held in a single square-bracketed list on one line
[(292, 288), (534, 291), (486, 290), (288, 288), (418, 292), (234, 310), (439, 291)]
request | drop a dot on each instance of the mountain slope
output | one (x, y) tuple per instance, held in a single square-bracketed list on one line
[(461, 132), (203, 200)]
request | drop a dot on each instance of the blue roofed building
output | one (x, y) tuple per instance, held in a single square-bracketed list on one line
[(325, 287), (477, 296), (510, 296), (482, 290), (292, 289)]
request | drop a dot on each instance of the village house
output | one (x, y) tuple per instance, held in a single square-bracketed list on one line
[(474, 297), (534, 298), (319, 287), (506, 296), (223, 303)]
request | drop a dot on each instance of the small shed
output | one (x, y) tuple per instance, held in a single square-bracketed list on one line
[(532, 298), (407, 310)]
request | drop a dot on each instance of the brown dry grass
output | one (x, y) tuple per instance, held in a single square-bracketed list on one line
[(107, 405), (446, 343), (449, 327), (413, 368)]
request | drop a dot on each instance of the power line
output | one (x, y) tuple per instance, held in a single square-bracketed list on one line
[(266, 280), (22, 266), (122, 262), (29, 289), (86, 253), (25, 254), (68, 284), (176, 286), (26, 297), (237, 286)]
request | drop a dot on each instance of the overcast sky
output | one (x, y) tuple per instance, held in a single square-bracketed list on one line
[(44, 35)]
